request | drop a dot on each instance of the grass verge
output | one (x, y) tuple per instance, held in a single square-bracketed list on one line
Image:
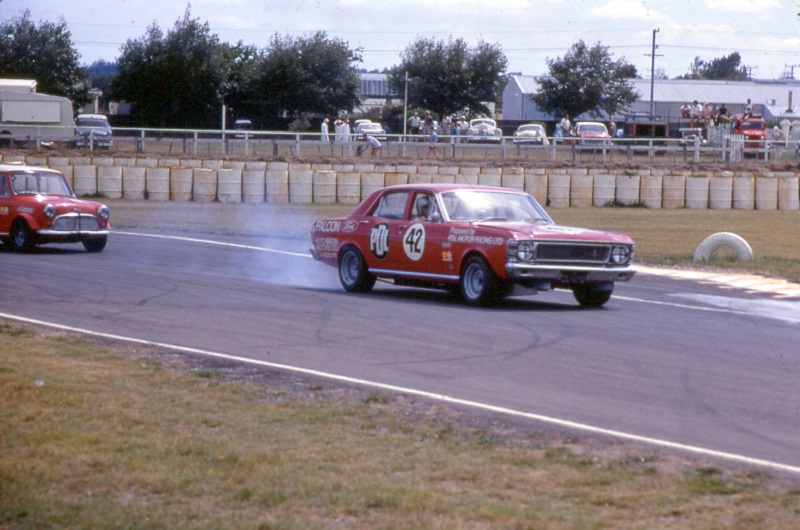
[(102, 435)]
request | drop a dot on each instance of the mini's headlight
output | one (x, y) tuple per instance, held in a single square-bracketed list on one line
[(525, 251), (103, 212), (50, 211), (620, 255)]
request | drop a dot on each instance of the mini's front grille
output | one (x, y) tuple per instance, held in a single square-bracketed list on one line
[(73, 222)]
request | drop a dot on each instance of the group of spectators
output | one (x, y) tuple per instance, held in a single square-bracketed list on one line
[(705, 113)]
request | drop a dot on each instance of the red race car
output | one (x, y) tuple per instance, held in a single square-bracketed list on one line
[(480, 241), (38, 206)]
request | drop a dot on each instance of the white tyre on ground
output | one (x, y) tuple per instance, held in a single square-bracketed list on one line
[(723, 239)]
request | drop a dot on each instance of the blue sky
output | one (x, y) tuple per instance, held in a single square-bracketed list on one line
[(765, 32)]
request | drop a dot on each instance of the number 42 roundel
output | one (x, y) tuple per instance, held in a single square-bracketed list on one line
[(414, 241)]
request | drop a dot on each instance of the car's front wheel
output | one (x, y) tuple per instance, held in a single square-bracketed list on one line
[(353, 271), (593, 295), (95, 245), (22, 237), (479, 284)]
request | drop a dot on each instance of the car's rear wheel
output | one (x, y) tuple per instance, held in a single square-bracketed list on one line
[(95, 245), (22, 237), (593, 295), (479, 284), (353, 271)]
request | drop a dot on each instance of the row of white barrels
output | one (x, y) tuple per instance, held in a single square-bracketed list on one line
[(328, 187)]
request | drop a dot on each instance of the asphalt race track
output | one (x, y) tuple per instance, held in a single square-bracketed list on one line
[(668, 360)]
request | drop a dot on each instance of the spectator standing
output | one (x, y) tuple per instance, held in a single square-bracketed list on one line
[(565, 126), (346, 130), (612, 129), (463, 127), (414, 124), (323, 129), (427, 124), (338, 131), (445, 125), (432, 139)]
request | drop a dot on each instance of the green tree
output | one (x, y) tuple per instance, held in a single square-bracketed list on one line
[(585, 80), (177, 79), (729, 68), (45, 53), (449, 76), (313, 74)]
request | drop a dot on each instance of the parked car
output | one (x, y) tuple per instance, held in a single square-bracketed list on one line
[(592, 133), (370, 128), (483, 242), (243, 126), (484, 130), (688, 135), (531, 133), (38, 206), (93, 129)]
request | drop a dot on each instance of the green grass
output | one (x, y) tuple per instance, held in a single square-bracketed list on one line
[(104, 436)]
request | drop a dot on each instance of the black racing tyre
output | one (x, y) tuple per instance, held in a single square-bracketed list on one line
[(593, 295), (353, 271), (723, 239), (22, 238), (95, 244), (479, 284)]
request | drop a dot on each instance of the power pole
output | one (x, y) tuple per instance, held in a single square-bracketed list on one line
[(653, 73)]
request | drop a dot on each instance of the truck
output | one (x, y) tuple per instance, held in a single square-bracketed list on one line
[(30, 116), (753, 127)]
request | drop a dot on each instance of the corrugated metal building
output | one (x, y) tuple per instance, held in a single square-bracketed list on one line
[(773, 99)]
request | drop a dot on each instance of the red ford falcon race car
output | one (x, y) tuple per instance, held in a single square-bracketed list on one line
[(482, 241), (38, 206)]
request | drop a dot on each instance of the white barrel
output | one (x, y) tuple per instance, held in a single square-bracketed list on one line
[(109, 181), (229, 185), (157, 183), (720, 193), (204, 187), (558, 190), (66, 171), (627, 190), (512, 180), (697, 193), (277, 185), (467, 175), (581, 191), (744, 193), (766, 193), (371, 182), (254, 185), (324, 187), (651, 192), (180, 183), (84, 180), (443, 178), (490, 176), (133, 182), (348, 188), (673, 191), (301, 190), (604, 189), (536, 186), (395, 179), (788, 194)]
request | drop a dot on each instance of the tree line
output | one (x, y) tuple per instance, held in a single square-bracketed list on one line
[(183, 76)]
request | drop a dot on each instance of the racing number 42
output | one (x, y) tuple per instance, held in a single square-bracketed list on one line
[(414, 242)]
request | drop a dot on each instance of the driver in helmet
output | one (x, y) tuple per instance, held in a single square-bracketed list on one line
[(423, 208)]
